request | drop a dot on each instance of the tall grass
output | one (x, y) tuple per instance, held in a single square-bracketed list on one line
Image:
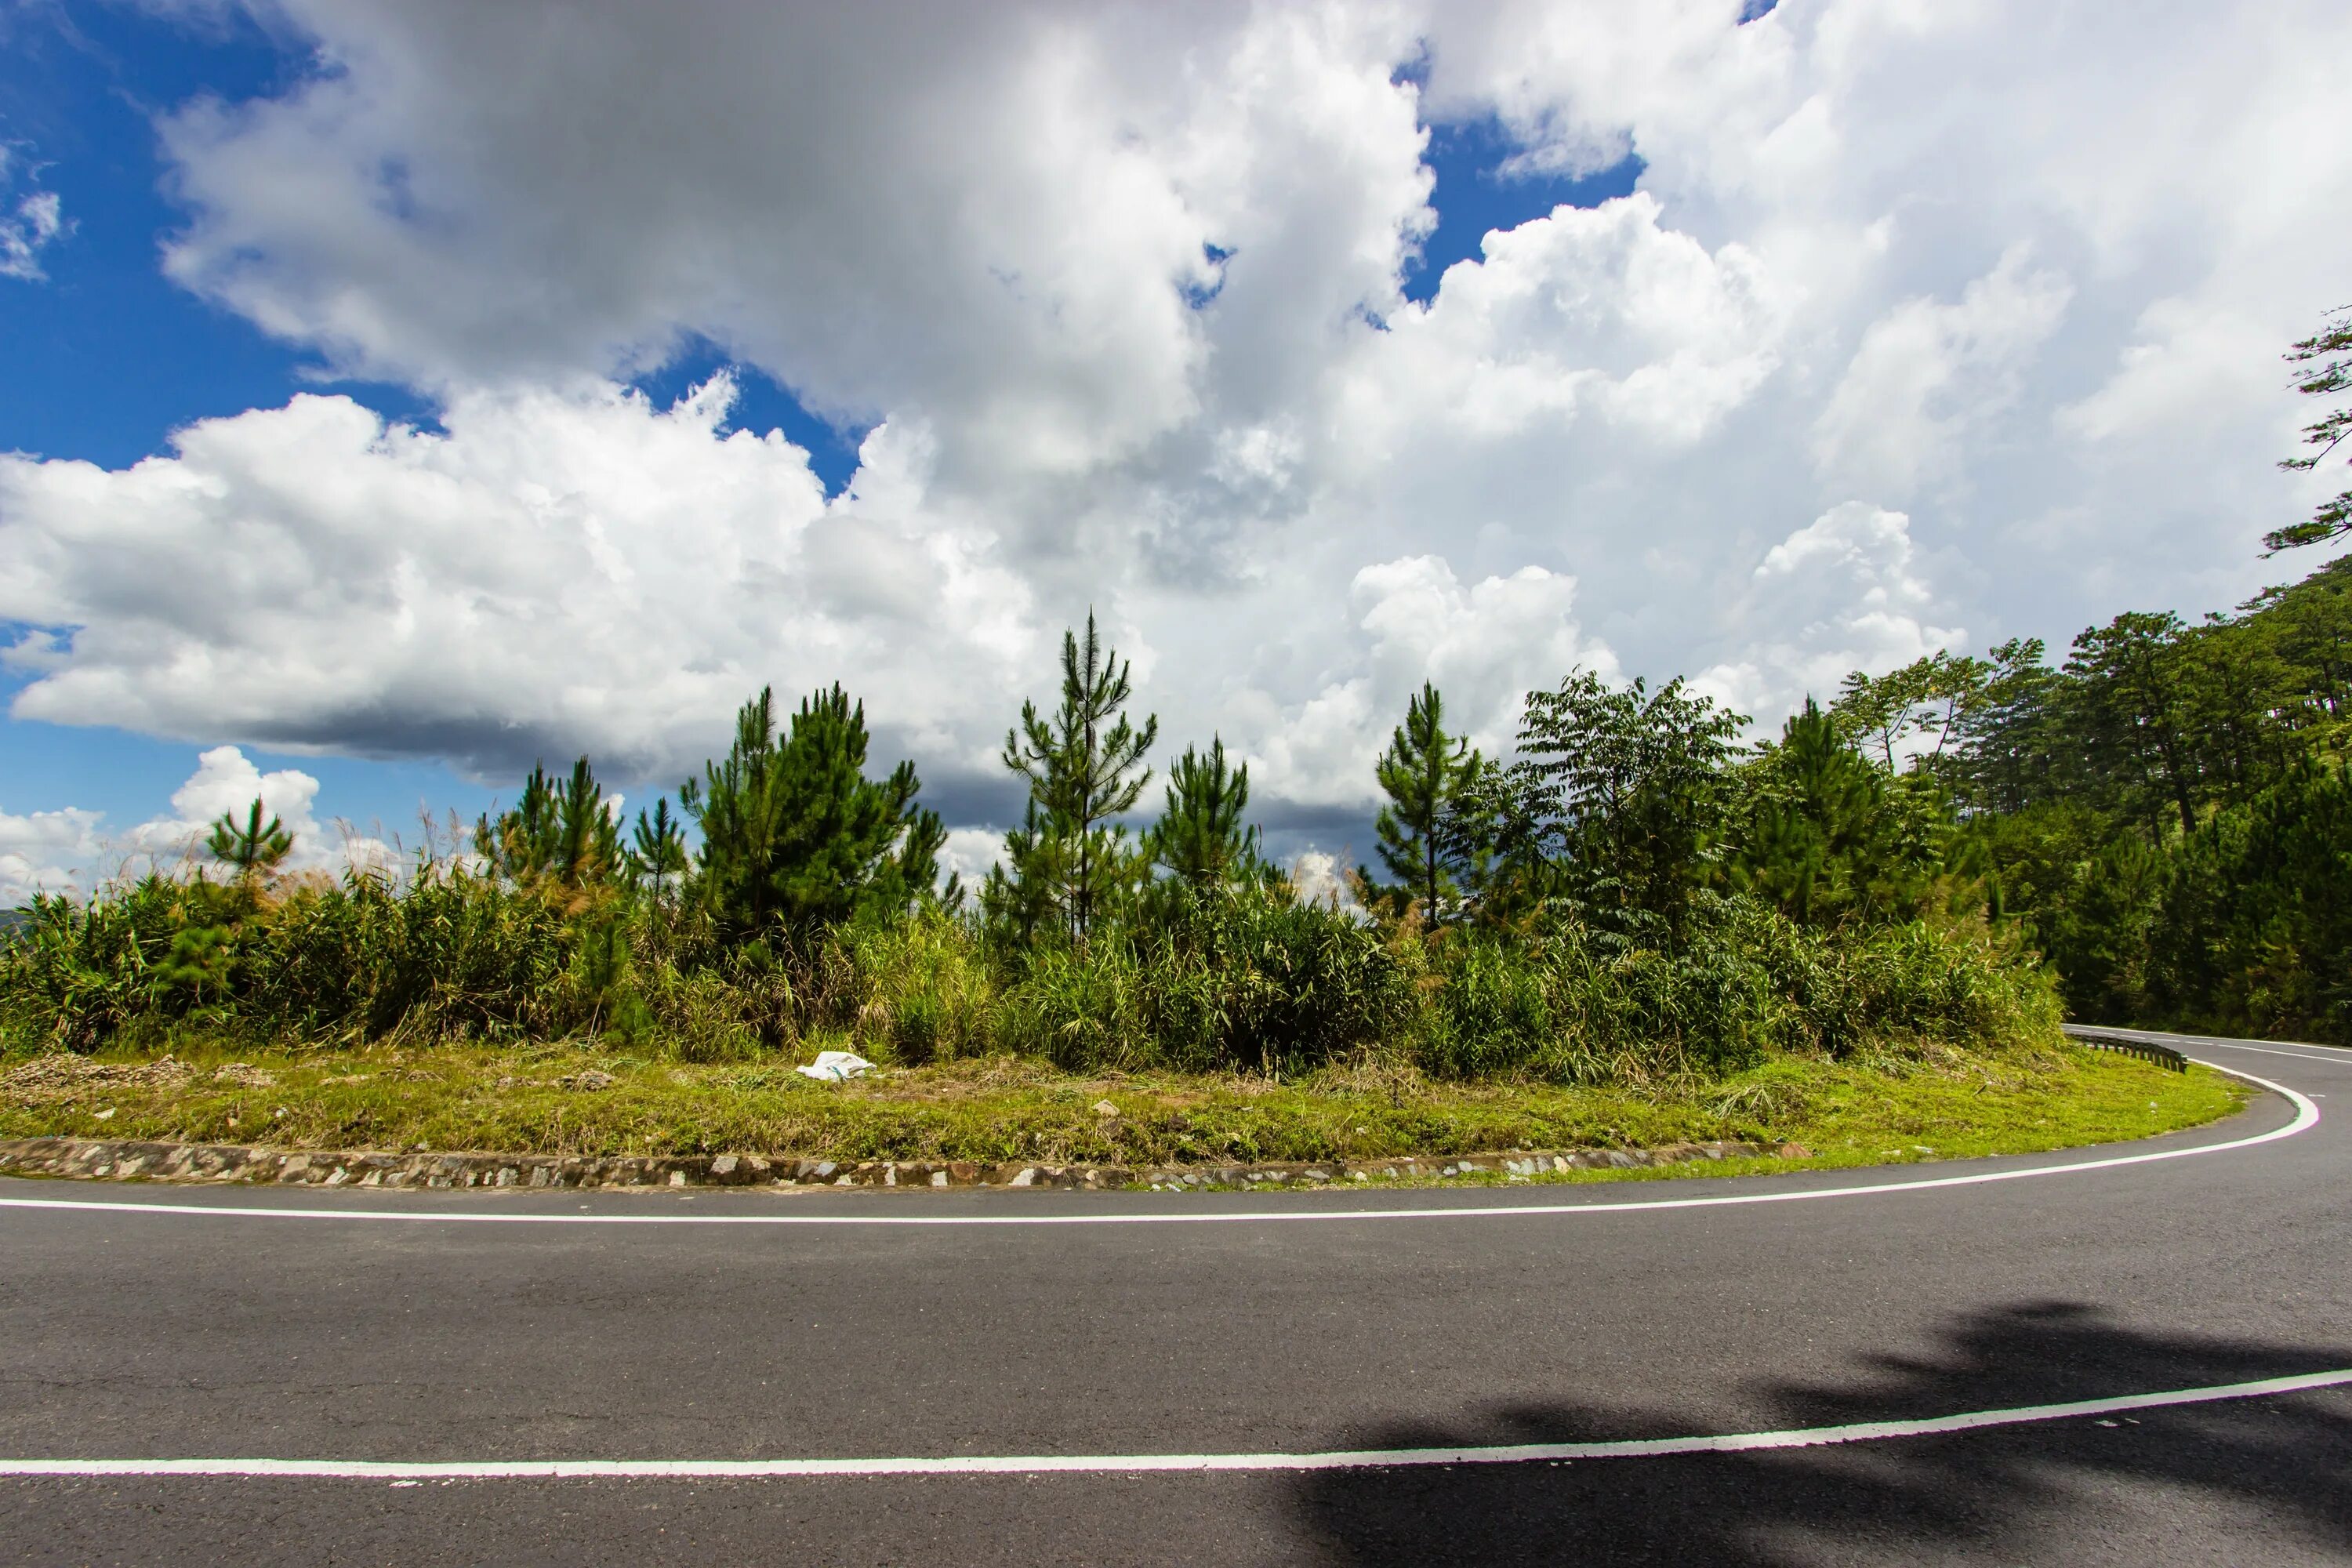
[(1243, 978)]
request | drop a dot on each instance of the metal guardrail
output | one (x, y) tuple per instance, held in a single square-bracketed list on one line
[(2129, 1045)]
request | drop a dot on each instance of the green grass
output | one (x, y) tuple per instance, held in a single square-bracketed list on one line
[(1931, 1103)]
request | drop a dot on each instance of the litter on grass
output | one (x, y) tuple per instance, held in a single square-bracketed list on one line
[(832, 1066)]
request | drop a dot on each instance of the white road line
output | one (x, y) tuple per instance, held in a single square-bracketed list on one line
[(2328, 1053), (2275, 1051), (1041, 1464), (2306, 1116)]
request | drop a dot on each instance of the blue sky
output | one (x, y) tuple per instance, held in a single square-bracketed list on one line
[(1820, 336), (107, 357)]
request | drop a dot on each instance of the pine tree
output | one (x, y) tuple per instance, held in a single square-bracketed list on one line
[(559, 837), (656, 854), (793, 832), (1017, 898), (254, 847), (1199, 835), (1827, 835), (1084, 767), (1428, 776), (2327, 355)]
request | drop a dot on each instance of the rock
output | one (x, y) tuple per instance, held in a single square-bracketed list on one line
[(1105, 1107), (243, 1074), (595, 1077), (1027, 1178), (722, 1166), (1794, 1151)]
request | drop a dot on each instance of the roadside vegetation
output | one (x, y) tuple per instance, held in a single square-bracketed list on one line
[(1632, 900), (569, 1097), (1611, 934)]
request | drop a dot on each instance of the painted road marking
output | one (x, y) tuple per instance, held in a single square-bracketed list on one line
[(1040, 1464), (2306, 1116)]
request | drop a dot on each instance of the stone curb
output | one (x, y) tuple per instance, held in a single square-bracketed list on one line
[(124, 1160)]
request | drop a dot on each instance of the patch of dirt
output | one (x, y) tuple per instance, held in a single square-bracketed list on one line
[(53, 1073)]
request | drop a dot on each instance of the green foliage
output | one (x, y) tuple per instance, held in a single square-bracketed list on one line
[(1827, 837), (559, 838), (1218, 977), (2327, 357), (1618, 802), (809, 911), (1084, 767), (1929, 700), (1199, 838), (795, 838), (656, 857), (252, 849), (1428, 838), (2253, 931)]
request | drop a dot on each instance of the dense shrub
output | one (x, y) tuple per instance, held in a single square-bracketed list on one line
[(1215, 979)]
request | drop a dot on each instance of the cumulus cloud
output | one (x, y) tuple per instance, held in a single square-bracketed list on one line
[(1845, 592), (556, 571), (1914, 327), (47, 851), (68, 851), (1928, 375)]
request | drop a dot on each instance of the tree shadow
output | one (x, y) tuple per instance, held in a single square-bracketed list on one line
[(2045, 1491)]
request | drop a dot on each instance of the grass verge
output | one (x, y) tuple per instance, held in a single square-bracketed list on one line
[(558, 1098)]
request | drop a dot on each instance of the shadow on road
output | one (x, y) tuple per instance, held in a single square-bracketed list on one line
[(2061, 1490)]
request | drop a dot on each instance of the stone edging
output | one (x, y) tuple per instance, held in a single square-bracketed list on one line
[(121, 1160)]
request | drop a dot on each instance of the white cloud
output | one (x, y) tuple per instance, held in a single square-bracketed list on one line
[(1927, 375), (68, 851), (27, 228), (970, 853), (1845, 592), (47, 851), (1923, 317), (559, 572)]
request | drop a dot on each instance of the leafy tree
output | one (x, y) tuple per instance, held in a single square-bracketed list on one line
[(252, 847), (2328, 357), (2134, 704), (1199, 837), (1428, 833), (560, 837), (1930, 697), (1084, 766), (794, 835), (1622, 790)]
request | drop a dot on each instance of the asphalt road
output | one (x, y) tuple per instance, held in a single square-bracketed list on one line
[(174, 1323)]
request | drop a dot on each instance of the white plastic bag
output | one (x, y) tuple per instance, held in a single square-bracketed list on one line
[(832, 1066)]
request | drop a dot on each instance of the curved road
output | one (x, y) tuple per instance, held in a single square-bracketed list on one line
[(1134, 1381)]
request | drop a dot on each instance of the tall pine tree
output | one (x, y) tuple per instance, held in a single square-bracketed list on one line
[(1084, 766), (794, 835), (1428, 776), (1199, 837), (560, 836)]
